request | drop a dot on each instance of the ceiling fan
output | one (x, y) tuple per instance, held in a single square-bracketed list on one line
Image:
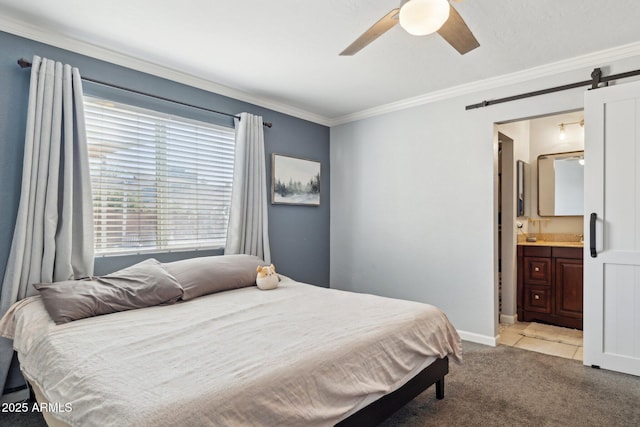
[(421, 17)]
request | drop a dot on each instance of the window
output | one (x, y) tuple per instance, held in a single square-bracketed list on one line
[(160, 182)]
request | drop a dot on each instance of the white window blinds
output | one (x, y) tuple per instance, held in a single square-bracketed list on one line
[(160, 182)]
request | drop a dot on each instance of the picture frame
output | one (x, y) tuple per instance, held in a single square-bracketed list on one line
[(294, 181)]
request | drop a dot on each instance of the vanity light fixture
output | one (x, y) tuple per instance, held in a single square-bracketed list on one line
[(563, 133)]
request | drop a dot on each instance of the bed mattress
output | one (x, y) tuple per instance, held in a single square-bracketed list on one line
[(296, 355)]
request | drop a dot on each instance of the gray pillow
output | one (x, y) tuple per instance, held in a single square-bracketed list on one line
[(142, 285), (207, 275)]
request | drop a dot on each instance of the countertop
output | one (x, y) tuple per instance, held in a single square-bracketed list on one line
[(550, 243)]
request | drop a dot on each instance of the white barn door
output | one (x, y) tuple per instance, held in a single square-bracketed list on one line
[(612, 228)]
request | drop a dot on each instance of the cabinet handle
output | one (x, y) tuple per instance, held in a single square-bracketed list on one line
[(537, 269), (592, 235), (536, 297)]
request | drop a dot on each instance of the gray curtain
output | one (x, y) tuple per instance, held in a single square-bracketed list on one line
[(53, 236), (248, 231)]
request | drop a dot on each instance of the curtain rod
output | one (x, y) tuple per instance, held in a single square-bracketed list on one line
[(24, 63), (596, 79)]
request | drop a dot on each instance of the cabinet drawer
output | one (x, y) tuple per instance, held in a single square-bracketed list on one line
[(572, 253), (537, 271), (537, 299), (536, 251)]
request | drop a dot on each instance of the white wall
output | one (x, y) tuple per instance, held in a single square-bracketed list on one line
[(413, 199), (519, 133)]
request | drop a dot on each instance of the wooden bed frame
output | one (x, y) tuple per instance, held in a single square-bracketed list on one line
[(387, 405)]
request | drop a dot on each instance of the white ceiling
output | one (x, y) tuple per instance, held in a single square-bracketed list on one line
[(284, 54)]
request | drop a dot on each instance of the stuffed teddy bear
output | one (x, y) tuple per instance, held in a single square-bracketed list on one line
[(267, 277)]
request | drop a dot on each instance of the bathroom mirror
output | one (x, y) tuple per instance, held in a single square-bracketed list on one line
[(561, 184), (520, 188)]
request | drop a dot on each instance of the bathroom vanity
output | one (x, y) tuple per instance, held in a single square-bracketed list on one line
[(550, 283)]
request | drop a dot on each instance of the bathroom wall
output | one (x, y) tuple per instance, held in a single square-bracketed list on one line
[(532, 138), (545, 139), (519, 132)]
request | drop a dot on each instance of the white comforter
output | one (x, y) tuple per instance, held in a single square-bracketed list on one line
[(297, 355)]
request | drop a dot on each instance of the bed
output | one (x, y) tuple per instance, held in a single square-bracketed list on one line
[(296, 355)]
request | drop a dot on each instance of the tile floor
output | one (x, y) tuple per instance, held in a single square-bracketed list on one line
[(510, 336)]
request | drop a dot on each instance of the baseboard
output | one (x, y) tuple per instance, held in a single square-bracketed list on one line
[(508, 320), (479, 339)]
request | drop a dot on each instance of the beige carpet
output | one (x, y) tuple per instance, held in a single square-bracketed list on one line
[(509, 387), (553, 333)]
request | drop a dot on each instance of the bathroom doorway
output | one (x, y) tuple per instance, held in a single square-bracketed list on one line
[(520, 143)]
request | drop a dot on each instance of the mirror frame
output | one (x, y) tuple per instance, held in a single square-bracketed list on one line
[(554, 155)]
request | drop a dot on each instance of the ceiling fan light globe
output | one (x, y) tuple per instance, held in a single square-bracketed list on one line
[(422, 17)]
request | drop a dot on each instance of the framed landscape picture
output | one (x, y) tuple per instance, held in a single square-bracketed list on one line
[(294, 181)]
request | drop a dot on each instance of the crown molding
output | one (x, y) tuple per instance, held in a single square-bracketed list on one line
[(32, 32), (571, 64)]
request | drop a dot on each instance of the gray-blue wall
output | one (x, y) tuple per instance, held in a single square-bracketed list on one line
[(299, 235)]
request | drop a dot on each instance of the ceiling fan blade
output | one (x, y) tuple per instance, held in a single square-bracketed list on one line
[(379, 28), (457, 34)]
